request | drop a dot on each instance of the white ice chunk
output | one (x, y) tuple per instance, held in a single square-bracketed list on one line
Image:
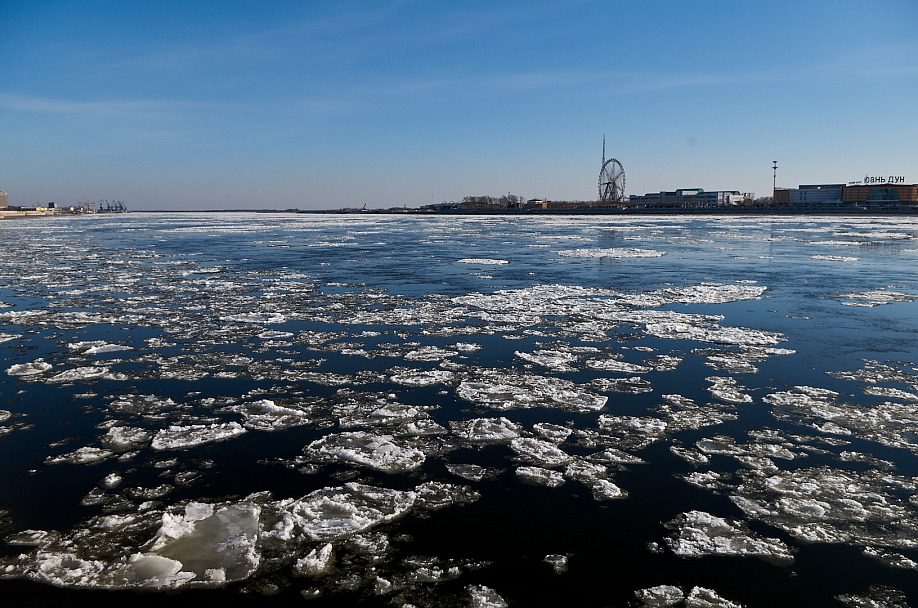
[(182, 437), (483, 261), (661, 596), (126, 437), (332, 513), (97, 347), (541, 477), (208, 538), (255, 317), (79, 373), (485, 597), (539, 451), (420, 377), (486, 430), (266, 415), (151, 570), (373, 451), (614, 252), (84, 455), (603, 489), (557, 562), (699, 597), (38, 366), (699, 534), (316, 563)]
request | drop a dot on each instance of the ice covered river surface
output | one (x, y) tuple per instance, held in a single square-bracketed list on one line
[(277, 409)]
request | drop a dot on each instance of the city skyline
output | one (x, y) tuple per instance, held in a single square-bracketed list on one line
[(170, 105)]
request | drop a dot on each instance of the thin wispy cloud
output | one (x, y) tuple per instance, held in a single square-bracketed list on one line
[(27, 103)]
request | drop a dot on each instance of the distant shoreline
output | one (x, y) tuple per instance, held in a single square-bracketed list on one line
[(904, 210), (585, 211)]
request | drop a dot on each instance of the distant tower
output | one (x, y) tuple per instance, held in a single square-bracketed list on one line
[(4, 201), (611, 179)]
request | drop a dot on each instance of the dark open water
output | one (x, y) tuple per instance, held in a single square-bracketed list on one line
[(460, 411)]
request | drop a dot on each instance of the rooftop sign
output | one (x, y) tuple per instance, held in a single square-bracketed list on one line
[(870, 179)]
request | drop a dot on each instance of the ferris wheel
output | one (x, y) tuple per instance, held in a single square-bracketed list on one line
[(612, 182)]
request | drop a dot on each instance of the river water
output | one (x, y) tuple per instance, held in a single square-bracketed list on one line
[(459, 411)]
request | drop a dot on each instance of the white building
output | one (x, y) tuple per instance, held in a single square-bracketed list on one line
[(690, 197)]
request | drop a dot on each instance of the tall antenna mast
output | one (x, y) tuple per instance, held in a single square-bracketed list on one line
[(603, 149)]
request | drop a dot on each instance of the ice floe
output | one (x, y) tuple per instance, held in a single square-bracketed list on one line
[(823, 504), (874, 297), (332, 513), (481, 596), (374, 451), (698, 534), (97, 347), (32, 368), (615, 252), (483, 261), (540, 476), (486, 430), (178, 437), (538, 451), (663, 596), (504, 391), (889, 423), (216, 544)]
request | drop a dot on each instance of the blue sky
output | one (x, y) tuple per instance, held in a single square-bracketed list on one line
[(222, 104)]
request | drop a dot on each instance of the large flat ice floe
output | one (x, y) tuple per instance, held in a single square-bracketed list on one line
[(378, 452), (698, 534), (822, 504), (179, 437), (615, 252), (333, 513)]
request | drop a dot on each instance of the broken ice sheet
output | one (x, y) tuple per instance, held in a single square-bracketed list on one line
[(683, 413), (377, 452), (486, 430), (267, 415), (539, 451), (874, 297), (878, 596), (481, 596), (552, 359), (822, 504), (540, 476), (472, 472), (632, 386), (178, 437), (889, 423), (503, 390), (332, 513), (217, 544), (664, 596), (698, 534), (615, 252), (32, 368), (727, 389)]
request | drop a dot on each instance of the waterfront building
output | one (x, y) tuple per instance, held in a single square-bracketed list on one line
[(4, 200), (689, 198), (873, 194), (816, 194), (881, 194)]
